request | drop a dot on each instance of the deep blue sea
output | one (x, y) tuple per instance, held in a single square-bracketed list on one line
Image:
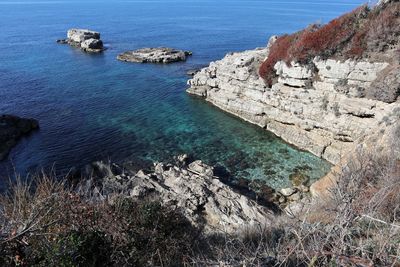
[(93, 107)]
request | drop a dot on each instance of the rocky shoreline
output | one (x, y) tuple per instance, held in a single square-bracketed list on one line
[(12, 129), (321, 116), (328, 106)]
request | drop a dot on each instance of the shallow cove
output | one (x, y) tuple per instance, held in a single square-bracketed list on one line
[(93, 107)]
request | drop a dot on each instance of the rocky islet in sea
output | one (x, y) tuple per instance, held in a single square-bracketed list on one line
[(87, 40), (162, 55)]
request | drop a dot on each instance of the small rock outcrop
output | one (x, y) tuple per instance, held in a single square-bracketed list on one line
[(203, 198), (87, 40), (13, 128), (154, 55)]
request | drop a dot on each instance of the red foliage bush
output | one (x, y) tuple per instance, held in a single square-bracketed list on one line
[(327, 39), (349, 36), (278, 51)]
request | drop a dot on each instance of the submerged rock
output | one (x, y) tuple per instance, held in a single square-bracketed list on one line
[(12, 128), (87, 40), (154, 55), (203, 198)]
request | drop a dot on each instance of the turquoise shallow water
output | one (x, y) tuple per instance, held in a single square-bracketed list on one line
[(93, 107)]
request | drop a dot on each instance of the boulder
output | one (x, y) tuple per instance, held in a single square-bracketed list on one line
[(387, 87), (13, 128), (154, 55)]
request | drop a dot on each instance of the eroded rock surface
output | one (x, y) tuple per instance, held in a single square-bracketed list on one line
[(321, 108), (154, 55), (87, 40), (13, 128), (203, 197)]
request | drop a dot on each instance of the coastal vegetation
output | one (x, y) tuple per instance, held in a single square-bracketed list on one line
[(354, 35)]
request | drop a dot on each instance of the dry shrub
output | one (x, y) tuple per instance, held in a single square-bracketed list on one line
[(326, 40), (383, 28), (358, 226), (47, 223)]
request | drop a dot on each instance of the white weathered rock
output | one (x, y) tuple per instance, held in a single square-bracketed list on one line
[(92, 44), (200, 168), (332, 69), (352, 72), (288, 191), (80, 35)]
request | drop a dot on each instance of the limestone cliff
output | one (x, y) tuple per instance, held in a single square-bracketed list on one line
[(315, 115), (326, 106)]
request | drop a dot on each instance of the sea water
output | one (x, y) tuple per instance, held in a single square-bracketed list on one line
[(93, 107)]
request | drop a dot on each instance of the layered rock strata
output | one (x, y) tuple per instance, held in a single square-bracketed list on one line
[(203, 198), (154, 55), (13, 128), (322, 108), (87, 40)]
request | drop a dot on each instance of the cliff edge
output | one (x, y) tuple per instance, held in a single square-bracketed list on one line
[(320, 95)]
